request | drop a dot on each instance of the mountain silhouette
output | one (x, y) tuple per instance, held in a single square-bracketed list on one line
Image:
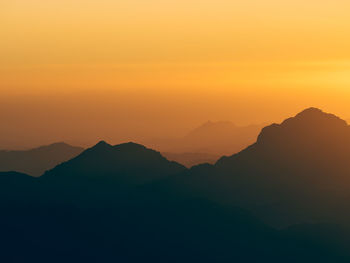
[(38, 160), (128, 162), (214, 138), (221, 137), (128, 203), (297, 171), (310, 137)]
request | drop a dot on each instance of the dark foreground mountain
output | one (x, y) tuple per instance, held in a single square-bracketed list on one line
[(128, 203), (297, 171), (38, 160), (301, 165), (128, 162), (147, 225)]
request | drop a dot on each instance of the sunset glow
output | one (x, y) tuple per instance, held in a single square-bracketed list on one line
[(166, 64)]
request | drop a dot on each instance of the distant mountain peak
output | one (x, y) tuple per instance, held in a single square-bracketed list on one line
[(58, 144), (217, 123), (36, 161), (55, 145), (209, 128)]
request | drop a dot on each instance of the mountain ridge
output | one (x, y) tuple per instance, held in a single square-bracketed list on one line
[(127, 158), (112, 201), (36, 161)]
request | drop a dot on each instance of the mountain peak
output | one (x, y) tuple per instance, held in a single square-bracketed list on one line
[(315, 119), (311, 110), (310, 124), (315, 114), (127, 162), (102, 145)]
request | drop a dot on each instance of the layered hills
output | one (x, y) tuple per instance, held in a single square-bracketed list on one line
[(37, 160), (128, 203)]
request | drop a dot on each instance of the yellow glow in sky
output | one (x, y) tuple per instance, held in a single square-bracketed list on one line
[(39, 34), (172, 63)]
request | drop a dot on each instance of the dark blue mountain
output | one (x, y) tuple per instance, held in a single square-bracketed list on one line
[(128, 162)]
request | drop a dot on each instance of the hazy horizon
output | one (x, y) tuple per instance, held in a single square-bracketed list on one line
[(174, 131), (116, 70), (41, 130), (148, 135)]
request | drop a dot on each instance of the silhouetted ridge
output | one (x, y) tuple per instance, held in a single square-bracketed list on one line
[(315, 114), (38, 160), (293, 165), (102, 144), (106, 204), (131, 146), (311, 124), (211, 138), (311, 132), (127, 147), (129, 161), (55, 145)]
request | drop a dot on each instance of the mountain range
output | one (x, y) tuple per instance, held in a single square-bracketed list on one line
[(301, 165), (38, 160), (296, 171), (284, 198)]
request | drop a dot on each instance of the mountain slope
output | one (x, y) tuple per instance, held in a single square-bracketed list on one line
[(36, 161), (300, 167), (297, 171), (128, 162), (312, 142), (93, 217)]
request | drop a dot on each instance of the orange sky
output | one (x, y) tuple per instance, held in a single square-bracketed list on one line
[(82, 69)]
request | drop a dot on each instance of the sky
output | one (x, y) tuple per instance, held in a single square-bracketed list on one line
[(82, 70)]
